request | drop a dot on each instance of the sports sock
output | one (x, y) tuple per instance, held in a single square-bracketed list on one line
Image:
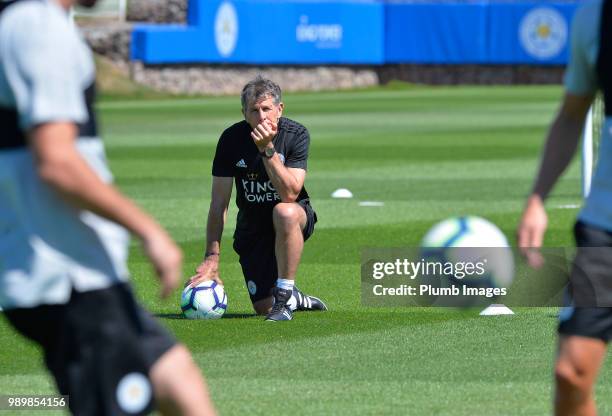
[(285, 284)]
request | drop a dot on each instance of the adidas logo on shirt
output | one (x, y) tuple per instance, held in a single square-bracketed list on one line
[(241, 164)]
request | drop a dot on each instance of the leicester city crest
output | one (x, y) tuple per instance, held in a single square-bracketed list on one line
[(252, 287), (226, 29), (543, 33)]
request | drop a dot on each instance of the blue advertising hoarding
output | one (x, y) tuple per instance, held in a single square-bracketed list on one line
[(435, 33), (528, 32), (268, 32), (310, 32)]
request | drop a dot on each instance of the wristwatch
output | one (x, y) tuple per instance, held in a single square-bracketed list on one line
[(268, 152)]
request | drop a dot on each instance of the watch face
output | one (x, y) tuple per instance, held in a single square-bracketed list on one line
[(270, 151)]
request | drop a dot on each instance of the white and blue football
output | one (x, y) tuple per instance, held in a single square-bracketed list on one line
[(471, 239), (204, 301)]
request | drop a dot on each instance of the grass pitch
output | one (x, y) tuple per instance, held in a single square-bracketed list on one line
[(427, 153)]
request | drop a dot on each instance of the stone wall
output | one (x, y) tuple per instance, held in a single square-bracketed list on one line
[(168, 11), (111, 40), (226, 79), (471, 74)]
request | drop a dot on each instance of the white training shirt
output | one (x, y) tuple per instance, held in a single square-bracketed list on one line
[(48, 247), (581, 79)]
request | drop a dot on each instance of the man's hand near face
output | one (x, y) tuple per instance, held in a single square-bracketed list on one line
[(263, 134)]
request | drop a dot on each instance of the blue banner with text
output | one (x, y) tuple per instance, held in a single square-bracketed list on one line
[(268, 32), (370, 32)]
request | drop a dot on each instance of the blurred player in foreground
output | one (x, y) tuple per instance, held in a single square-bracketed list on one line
[(63, 245), (267, 156), (585, 326)]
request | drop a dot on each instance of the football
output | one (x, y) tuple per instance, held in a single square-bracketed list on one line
[(470, 239), (205, 301)]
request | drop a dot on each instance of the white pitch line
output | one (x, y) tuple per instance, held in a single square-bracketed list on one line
[(371, 204), (568, 206)]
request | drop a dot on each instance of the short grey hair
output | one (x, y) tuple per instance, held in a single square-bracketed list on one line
[(259, 88)]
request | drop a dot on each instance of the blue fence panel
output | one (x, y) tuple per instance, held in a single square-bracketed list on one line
[(163, 44), (269, 32), (362, 32), (435, 33), (529, 32)]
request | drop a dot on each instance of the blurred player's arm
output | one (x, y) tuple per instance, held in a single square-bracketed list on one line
[(562, 142), (288, 182), (560, 147), (217, 215), (60, 165)]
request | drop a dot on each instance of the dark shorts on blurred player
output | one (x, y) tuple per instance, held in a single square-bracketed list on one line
[(99, 347), (590, 285), (257, 256)]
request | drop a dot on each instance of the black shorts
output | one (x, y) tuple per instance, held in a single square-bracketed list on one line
[(258, 259), (590, 290), (99, 347)]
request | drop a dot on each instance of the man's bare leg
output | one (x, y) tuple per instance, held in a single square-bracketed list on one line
[(179, 386), (289, 221), (578, 362)]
